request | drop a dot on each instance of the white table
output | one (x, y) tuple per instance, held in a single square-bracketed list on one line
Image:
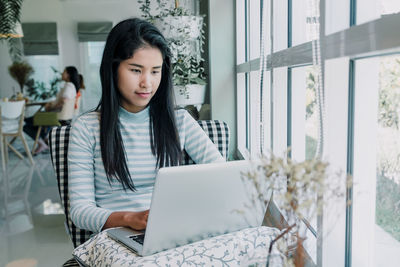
[(242, 248)]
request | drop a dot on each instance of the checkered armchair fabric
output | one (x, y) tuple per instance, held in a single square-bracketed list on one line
[(58, 141), (218, 132)]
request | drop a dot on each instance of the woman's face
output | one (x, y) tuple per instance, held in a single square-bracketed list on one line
[(139, 78), (65, 76)]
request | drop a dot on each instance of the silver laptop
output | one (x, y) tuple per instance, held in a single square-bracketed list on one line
[(191, 203)]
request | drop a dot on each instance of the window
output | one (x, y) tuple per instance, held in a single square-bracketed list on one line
[(376, 161), (387, 210), (92, 53), (42, 66), (43, 74), (304, 113), (368, 10), (360, 52)]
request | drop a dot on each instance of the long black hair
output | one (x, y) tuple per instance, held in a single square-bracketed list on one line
[(73, 76), (122, 42)]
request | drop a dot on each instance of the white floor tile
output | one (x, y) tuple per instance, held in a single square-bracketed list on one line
[(32, 231)]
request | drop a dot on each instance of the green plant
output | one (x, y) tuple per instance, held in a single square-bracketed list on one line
[(39, 90), (187, 61), (10, 11), (20, 71), (388, 148), (187, 68), (161, 7), (311, 101), (388, 205), (389, 97)]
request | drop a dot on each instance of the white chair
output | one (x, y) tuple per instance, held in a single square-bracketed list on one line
[(11, 124)]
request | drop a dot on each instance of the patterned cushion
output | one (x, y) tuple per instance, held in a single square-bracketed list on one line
[(248, 247), (218, 132)]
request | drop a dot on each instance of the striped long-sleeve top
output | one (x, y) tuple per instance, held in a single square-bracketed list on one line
[(92, 197)]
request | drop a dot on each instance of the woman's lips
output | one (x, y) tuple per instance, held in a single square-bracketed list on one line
[(144, 95)]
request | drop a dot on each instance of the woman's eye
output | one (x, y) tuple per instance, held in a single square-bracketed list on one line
[(156, 71), (135, 70)]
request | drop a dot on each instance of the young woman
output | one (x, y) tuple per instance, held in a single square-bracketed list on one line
[(66, 98), (64, 105), (114, 152)]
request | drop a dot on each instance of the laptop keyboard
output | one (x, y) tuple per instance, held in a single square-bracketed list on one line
[(137, 238)]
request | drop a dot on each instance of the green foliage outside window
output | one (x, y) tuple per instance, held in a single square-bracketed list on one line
[(311, 112), (388, 206), (389, 97), (388, 167)]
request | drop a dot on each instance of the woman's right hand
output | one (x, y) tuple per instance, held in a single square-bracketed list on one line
[(137, 220), (134, 220)]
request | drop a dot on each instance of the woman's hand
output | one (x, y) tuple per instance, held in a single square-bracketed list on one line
[(137, 220), (134, 220)]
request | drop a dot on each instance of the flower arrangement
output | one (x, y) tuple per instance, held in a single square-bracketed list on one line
[(300, 189), (20, 71)]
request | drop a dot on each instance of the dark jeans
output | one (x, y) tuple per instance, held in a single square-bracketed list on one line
[(31, 129)]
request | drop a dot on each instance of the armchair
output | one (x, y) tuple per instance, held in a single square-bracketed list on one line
[(218, 132)]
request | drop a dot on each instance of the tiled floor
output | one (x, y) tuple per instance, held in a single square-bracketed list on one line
[(32, 229)]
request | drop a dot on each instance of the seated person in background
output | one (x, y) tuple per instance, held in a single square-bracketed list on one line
[(115, 151), (64, 105), (66, 98)]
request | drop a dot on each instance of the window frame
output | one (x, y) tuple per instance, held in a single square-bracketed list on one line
[(346, 42)]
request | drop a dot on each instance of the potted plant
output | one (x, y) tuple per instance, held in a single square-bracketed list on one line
[(177, 23), (188, 77), (185, 35), (20, 71)]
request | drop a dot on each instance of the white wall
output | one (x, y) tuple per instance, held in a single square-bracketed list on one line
[(66, 13)]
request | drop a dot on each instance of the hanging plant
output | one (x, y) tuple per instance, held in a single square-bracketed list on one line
[(10, 11)]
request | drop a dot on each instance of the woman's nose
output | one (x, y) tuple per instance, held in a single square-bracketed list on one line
[(146, 81)]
